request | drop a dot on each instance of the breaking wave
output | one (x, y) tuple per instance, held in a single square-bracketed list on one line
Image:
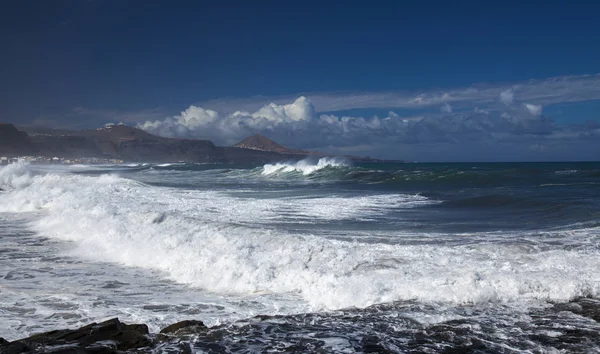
[(223, 244), (306, 166)]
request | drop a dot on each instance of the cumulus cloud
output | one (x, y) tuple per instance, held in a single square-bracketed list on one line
[(297, 125), (481, 122), (197, 122)]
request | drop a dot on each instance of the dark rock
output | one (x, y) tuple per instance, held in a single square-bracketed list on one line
[(184, 348), (14, 348), (140, 328), (105, 337), (370, 344), (131, 340), (103, 348), (103, 330), (184, 327), (162, 337)]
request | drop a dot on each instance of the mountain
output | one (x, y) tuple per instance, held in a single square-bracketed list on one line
[(132, 144), (126, 143), (262, 143), (119, 141), (13, 141)]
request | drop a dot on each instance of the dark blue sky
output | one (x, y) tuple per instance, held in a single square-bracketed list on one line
[(129, 55)]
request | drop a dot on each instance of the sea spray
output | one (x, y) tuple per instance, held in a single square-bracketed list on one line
[(501, 254), (196, 238), (306, 166)]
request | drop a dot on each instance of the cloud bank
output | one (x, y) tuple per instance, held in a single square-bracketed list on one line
[(540, 92), (517, 131)]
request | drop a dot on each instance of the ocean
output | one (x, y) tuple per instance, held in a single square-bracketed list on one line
[(319, 255)]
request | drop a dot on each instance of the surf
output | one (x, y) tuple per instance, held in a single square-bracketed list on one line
[(197, 238)]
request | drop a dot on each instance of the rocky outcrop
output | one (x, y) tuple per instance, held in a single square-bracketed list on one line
[(112, 336), (105, 337), (567, 327), (184, 327)]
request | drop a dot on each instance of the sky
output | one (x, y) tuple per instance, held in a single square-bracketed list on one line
[(412, 80)]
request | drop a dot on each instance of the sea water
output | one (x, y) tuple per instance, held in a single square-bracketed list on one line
[(330, 255)]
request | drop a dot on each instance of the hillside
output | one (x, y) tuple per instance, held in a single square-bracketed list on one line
[(126, 143), (13, 141), (262, 143), (133, 144)]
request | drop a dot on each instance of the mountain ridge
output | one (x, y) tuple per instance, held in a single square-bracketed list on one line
[(133, 144), (262, 143)]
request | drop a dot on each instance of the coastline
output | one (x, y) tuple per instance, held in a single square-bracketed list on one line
[(312, 332)]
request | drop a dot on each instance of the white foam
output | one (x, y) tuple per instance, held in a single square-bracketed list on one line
[(208, 240), (306, 166), (566, 172), (14, 175)]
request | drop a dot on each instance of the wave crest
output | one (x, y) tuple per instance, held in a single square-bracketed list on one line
[(306, 166), (197, 238), (15, 175)]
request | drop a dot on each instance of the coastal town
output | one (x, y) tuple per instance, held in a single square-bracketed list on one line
[(4, 160)]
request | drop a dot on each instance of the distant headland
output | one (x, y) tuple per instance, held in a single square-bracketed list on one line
[(119, 143)]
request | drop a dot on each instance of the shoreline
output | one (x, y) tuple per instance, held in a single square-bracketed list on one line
[(310, 332)]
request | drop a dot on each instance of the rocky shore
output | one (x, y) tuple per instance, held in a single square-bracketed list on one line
[(563, 327), (112, 336)]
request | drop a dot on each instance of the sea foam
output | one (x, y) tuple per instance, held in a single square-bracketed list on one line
[(209, 240), (306, 166)]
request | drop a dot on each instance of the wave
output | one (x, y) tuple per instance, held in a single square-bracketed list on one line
[(306, 166), (15, 175), (335, 170), (393, 176), (207, 239)]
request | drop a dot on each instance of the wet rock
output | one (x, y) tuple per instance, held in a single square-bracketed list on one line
[(184, 348), (370, 344), (185, 327), (105, 337), (13, 347), (590, 308), (586, 307)]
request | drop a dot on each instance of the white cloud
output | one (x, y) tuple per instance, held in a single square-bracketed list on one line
[(197, 122), (300, 110), (479, 122), (297, 125), (485, 96), (534, 109)]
